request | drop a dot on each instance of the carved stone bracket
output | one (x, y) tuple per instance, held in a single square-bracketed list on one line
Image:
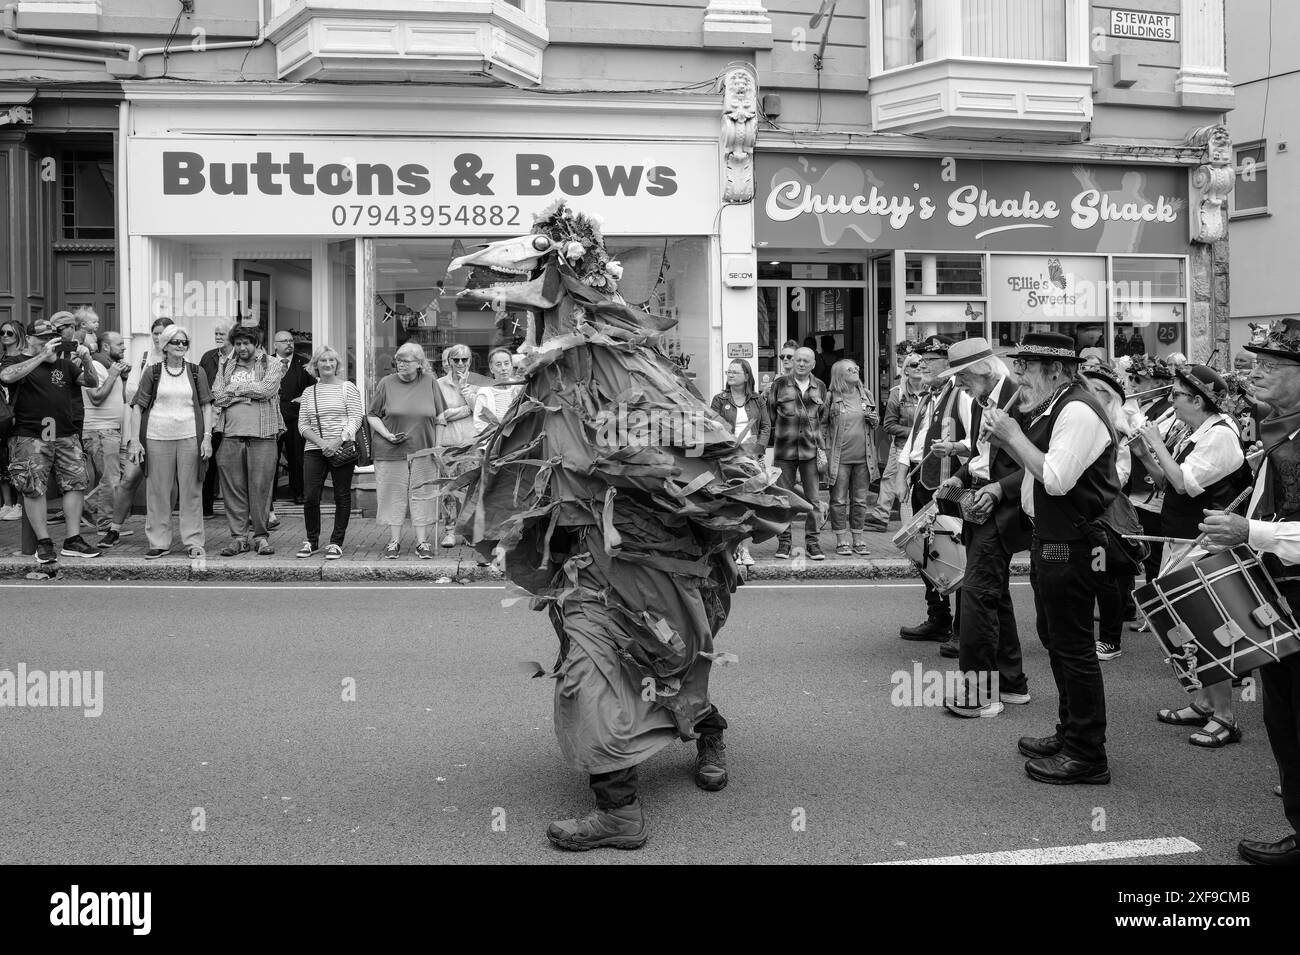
[(1211, 184), (739, 130)]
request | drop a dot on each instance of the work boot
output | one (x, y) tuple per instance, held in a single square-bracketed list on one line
[(622, 828), (951, 649), (930, 629), (711, 762)]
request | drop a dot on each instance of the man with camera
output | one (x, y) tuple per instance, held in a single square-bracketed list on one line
[(45, 386)]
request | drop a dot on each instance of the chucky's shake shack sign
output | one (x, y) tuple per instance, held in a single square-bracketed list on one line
[(953, 204), (261, 186)]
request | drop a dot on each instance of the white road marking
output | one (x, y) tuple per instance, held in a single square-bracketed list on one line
[(1064, 855)]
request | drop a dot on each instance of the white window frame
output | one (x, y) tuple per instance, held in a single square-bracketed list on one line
[(948, 36), (1235, 211), (534, 10)]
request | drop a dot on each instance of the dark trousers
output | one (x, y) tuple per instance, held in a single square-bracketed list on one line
[(617, 789), (1114, 599), (291, 446), (937, 605), (1151, 525), (210, 478), (806, 472), (1064, 591), (1281, 685), (314, 468), (987, 635)]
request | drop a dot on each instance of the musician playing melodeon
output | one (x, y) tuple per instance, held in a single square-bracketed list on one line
[(926, 460), (1067, 448), (1204, 470), (988, 640), (1273, 528)]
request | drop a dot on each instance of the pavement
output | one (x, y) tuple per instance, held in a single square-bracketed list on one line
[(374, 723), (362, 557)]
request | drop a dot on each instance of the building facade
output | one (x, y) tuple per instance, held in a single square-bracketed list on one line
[(1264, 53), (865, 171)]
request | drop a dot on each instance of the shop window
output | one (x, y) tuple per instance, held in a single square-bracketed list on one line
[(939, 274), (86, 205), (944, 295), (1150, 310), (1250, 193), (416, 300), (1064, 294)]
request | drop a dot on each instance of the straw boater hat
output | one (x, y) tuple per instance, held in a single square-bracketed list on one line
[(935, 345), (1281, 339), (965, 353), (1108, 376), (1045, 346), (1206, 382)]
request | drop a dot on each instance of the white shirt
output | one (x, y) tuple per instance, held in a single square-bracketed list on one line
[(1216, 454), (907, 455), (742, 424), (1078, 439), (979, 464)]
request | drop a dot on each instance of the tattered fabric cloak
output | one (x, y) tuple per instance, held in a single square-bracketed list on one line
[(619, 498)]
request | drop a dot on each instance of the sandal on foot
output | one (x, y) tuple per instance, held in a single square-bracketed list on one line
[(1188, 716), (843, 550), (1216, 734)]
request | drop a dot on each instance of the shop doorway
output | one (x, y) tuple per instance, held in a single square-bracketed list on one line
[(276, 295)]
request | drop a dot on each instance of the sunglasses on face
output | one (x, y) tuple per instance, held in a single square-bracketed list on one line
[(787, 357), (8, 333), (460, 361), (182, 342)]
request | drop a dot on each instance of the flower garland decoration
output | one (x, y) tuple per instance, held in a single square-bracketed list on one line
[(1149, 366), (578, 238), (1283, 334)]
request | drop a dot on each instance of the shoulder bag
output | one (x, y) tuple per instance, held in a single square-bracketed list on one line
[(347, 451)]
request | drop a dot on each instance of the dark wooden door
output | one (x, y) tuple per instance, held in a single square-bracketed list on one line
[(87, 275)]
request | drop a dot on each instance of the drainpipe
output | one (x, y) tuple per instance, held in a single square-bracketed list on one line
[(80, 57), (35, 39), (137, 55)]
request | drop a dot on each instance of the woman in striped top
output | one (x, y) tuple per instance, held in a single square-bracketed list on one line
[(494, 400), (330, 414)]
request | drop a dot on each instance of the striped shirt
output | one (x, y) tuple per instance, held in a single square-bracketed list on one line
[(339, 416), (494, 399)]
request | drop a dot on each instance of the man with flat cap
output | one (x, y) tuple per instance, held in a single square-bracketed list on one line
[(987, 637), (1273, 528), (927, 459), (1067, 447)]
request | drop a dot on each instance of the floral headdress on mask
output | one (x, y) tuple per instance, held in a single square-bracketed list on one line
[(581, 243)]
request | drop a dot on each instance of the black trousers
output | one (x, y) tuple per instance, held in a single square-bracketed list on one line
[(937, 605), (291, 446), (1065, 588), (1114, 599), (314, 467), (617, 789), (1281, 685), (1151, 524), (210, 478), (987, 634)]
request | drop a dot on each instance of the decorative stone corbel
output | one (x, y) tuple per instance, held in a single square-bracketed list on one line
[(1211, 184), (16, 116), (739, 130)]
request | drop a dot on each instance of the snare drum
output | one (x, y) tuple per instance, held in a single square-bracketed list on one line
[(1219, 618), (932, 541)]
